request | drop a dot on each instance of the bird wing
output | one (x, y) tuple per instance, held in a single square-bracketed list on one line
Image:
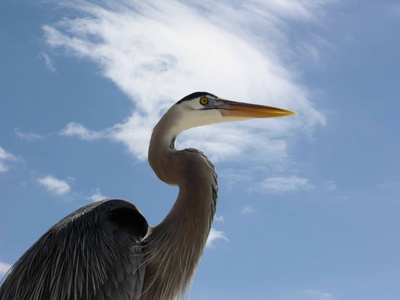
[(93, 253)]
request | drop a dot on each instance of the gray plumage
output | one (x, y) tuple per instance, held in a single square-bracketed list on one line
[(93, 253), (106, 250)]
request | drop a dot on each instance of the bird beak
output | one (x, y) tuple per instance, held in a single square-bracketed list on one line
[(247, 110)]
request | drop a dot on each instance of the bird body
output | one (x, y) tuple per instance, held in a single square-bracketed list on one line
[(106, 249), (93, 253)]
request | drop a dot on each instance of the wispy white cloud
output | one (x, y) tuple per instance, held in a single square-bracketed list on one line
[(4, 157), (4, 268), (97, 196), (248, 210), (236, 50), (219, 219), (27, 136), (285, 184), (78, 130), (48, 61), (303, 10), (315, 295), (215, 235), (54, 185)]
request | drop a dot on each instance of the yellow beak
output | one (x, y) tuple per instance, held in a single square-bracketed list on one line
[(247, 110)]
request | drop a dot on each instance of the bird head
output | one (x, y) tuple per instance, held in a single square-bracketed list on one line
[(195, 110), (202, 108)]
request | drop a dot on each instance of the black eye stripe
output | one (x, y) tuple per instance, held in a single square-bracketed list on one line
[(194, 96)]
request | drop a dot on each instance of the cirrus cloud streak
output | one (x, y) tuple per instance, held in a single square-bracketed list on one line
[(236, 50)]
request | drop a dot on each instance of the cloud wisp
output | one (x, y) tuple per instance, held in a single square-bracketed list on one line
[(97, 196), (28, 136), (214, 236), (63, 188), (48, 62), (285, 184), (315, 295), (247, 210), (78, 130), (234, 50), (54, 185), (5, 157)]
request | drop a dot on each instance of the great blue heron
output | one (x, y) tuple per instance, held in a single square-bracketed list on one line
[(106, 250)]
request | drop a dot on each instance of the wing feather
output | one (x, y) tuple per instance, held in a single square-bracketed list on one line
[(93, 253)]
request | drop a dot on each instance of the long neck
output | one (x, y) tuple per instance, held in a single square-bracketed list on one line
[(174, 247)]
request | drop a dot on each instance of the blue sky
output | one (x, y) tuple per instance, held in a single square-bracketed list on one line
[(308, 205)]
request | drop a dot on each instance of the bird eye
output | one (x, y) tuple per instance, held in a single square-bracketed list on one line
[(203, 101)]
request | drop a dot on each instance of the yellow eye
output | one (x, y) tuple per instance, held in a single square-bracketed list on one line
[(203, 101)]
